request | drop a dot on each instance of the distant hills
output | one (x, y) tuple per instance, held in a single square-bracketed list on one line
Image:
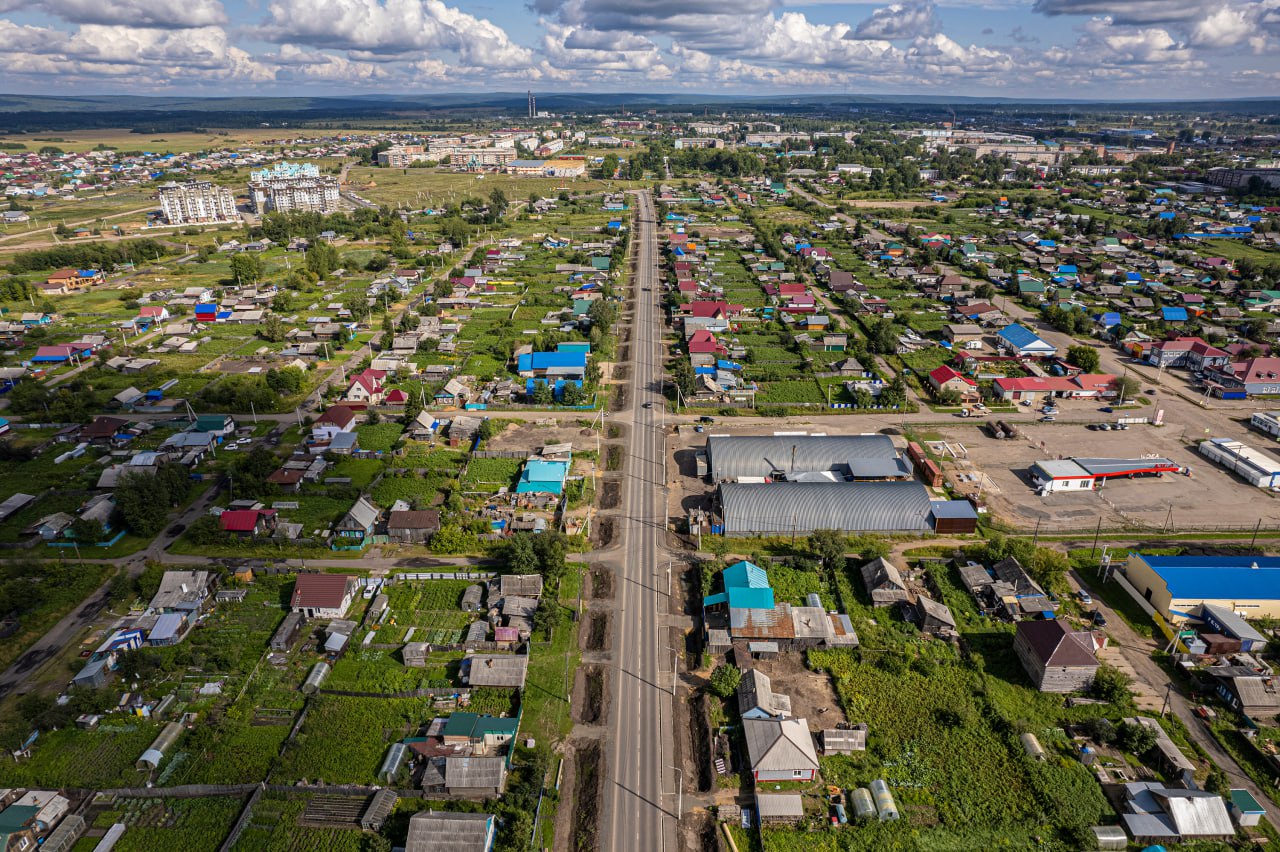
[(41, 113)]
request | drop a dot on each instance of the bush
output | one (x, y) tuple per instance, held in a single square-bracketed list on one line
[(725, 679), (1135, 739)]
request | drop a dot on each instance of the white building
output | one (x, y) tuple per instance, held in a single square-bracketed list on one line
[(318, 194), (197, 202)]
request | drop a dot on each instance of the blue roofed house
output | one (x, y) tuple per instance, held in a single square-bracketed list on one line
[(1173, 314), (746, 586), (1179, 586), (543, 477), (1020, 340), (569, 365)]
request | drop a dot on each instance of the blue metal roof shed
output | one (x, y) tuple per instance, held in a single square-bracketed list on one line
[(1173, 314)]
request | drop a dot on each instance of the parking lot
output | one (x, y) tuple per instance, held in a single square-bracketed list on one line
[(1210, 496)]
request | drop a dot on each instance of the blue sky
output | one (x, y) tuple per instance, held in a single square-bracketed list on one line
[(1119, 49)]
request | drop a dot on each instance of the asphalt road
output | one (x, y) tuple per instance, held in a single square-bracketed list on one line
[(640, 743)]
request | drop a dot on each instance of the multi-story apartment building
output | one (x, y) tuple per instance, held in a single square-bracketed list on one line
[(306, 194), (402, 156), (197, 202)]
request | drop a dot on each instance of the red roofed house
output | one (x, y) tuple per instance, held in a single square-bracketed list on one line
[(1257, 376), (703, 342), (1082, 386), (711, 309), (396, 397), (1191, 353), (323, 595), (363, 390), (790, 289), (248, 522), (945, 379), (337, 419)]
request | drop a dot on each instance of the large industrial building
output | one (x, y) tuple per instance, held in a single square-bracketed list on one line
[(817, 458), (799, 508), (197, 202), (1177, 586)]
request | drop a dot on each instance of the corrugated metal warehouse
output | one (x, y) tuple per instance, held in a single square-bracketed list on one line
[(783, 508), (733, 457)]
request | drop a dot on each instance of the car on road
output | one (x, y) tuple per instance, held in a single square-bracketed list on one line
[(706, 419), (1098, 618), (1048, 418), (1085, 597)]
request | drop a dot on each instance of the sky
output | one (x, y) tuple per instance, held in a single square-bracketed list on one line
[(1094, 49)]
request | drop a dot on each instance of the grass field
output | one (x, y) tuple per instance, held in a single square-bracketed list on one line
[(123, 139), (428, 187)]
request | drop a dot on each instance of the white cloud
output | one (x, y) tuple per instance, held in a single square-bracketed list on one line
[(395, 27), (158, 14), (159, 57), (603, 53), (1223, 28), (899, 21)]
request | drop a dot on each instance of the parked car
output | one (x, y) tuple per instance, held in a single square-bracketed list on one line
[(1085, 597), (1098, 618)]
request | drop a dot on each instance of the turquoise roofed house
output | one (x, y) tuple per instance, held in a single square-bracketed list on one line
[(746, 586), (540, 476)]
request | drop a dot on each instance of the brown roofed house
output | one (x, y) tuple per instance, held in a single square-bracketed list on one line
[(323, 595), (1056, 659)]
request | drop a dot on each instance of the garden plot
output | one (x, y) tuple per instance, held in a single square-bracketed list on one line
[(432, 609), (156, 825), (489, 476), (276, 826)]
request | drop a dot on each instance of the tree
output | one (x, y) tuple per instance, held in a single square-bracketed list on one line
[(829, 546), (1084, 357), (497, 203), (1111, 685), (609, 166), (322, 259), (1127, 387), (88, 531), (1137, 739), (521, 556), (246, 268), (273, 329), (143, 500), (725, 679)]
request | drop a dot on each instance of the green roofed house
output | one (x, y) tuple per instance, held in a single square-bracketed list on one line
[(486, 732), (601, 262), (1030, 287), (219, 424), (746, 586), (18, 827)]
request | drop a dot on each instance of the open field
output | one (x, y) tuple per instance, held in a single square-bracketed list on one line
[(123, 139), (428, 187)]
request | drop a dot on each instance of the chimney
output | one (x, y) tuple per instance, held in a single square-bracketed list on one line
[(184, 585)]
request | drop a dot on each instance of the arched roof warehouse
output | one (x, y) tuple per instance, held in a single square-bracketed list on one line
[(781, 508), (734, 456)]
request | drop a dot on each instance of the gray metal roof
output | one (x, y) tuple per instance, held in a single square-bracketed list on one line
[(1102, 467), (779, 745), (449, 832), (785, 507), (467, 772), (1233, 622), (778, 805), (734, 456)]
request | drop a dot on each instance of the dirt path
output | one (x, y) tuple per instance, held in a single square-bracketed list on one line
[(1137, 651)]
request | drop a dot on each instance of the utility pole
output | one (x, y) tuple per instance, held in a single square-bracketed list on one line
[(1098, 532)]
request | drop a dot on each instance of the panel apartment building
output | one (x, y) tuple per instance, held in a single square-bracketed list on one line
[(287, 187), (197, 202)]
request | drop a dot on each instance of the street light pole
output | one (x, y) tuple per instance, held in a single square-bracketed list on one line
[(679, 794)]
